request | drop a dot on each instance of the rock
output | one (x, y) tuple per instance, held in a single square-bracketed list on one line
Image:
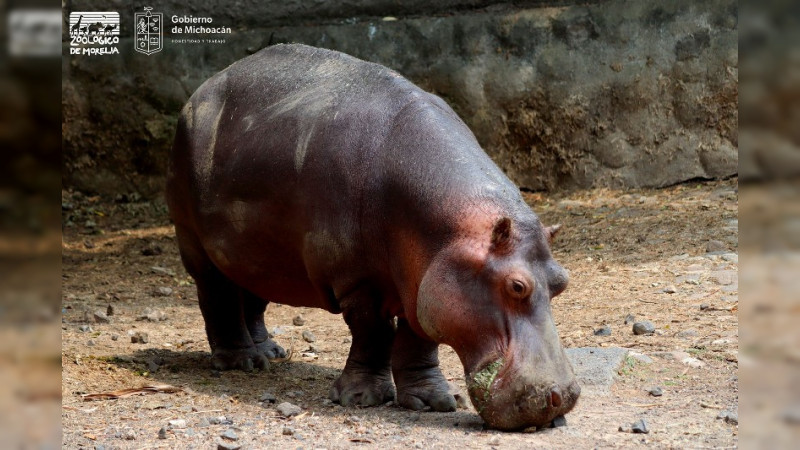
[(110, 310), (669, 290), (656, 391), (90, 342), (625, 428), (640, 426), (227, 445), (129, 435), (162, 433), (267, 397), (140, 337), (177, 423), (640, 357), (629, 319), (287, 409), (101, 317), (559, 421), (730, 257), (152, 315), (114, 337), (204, 423), (288, 431), (162, 271), (691, 332), (605, 330), (596, 367), (713, 246), (704, 306), (85, 328), (219, 420), (644, 327), (308, 336), (693, 362), (494, 440), (152, 366), (88, 244), (298, 321), (162, 292), (724, 277), (731, 417), (152, 250), (230, 435)]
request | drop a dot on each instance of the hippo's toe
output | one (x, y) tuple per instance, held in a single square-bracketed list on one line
[(362, 388), (271, 349), (431, 389), (245, 359)]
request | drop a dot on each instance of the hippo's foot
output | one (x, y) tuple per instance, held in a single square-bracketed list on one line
[(357, 386), (245, 359), (271, 349), (417, 389)]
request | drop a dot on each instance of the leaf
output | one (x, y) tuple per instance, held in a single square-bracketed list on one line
[(122, 393)]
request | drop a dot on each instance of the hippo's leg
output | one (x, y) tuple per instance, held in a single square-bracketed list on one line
[(254, 308), (367, 378), (222, 307), (415, 365)]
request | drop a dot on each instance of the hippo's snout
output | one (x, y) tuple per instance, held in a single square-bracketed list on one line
[(507, 400)]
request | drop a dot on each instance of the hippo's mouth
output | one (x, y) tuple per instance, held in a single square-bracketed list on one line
[(479, 383)]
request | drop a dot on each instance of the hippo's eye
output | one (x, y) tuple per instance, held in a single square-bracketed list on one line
[(518, 288)]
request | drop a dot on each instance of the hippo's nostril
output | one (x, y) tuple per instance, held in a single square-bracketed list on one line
[(555, 397)]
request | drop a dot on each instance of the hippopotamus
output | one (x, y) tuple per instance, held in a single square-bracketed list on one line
[(307, 177)]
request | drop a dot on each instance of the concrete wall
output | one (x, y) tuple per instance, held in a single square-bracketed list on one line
[(561, 94)]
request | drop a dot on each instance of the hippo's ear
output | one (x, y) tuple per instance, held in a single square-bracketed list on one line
[(552, 231), (501, 235)]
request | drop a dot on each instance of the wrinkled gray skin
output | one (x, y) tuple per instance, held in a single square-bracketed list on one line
[(310, 178)]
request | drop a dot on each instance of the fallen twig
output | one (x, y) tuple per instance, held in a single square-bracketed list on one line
[(122, 393)]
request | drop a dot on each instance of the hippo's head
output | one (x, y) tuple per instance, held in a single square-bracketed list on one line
[(488, 296)]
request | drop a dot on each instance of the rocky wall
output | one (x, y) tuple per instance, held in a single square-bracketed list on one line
[(561, 94)]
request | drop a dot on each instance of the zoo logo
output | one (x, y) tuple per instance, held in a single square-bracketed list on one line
[(97, 30), (149, 28)]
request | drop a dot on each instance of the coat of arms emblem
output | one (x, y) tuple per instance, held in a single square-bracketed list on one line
[(149, 31)]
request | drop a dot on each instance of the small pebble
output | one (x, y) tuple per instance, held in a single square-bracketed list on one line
[(640, 426), (177, 423), (713, 246), (140, 337), (203, 423), (309, 336), (644, 327), (114, 337), (218, 420), (152, 366), (656, 391), (629, 319), (163, 292), (494, 440), (152, 251), (704, 306), (228, 446), (90, 342), (625, 428), (288, 431), (162, 433), (559, 421), (298, 321), (686, 333), (129, 435), (605, 330), (85, 328), (267, 397), (230, 435), (287, 409), (110, 310), (669, 290), (730, 417), (101, 317), (152, 315)]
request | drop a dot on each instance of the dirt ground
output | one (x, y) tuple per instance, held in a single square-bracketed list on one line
[(669, 256)]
